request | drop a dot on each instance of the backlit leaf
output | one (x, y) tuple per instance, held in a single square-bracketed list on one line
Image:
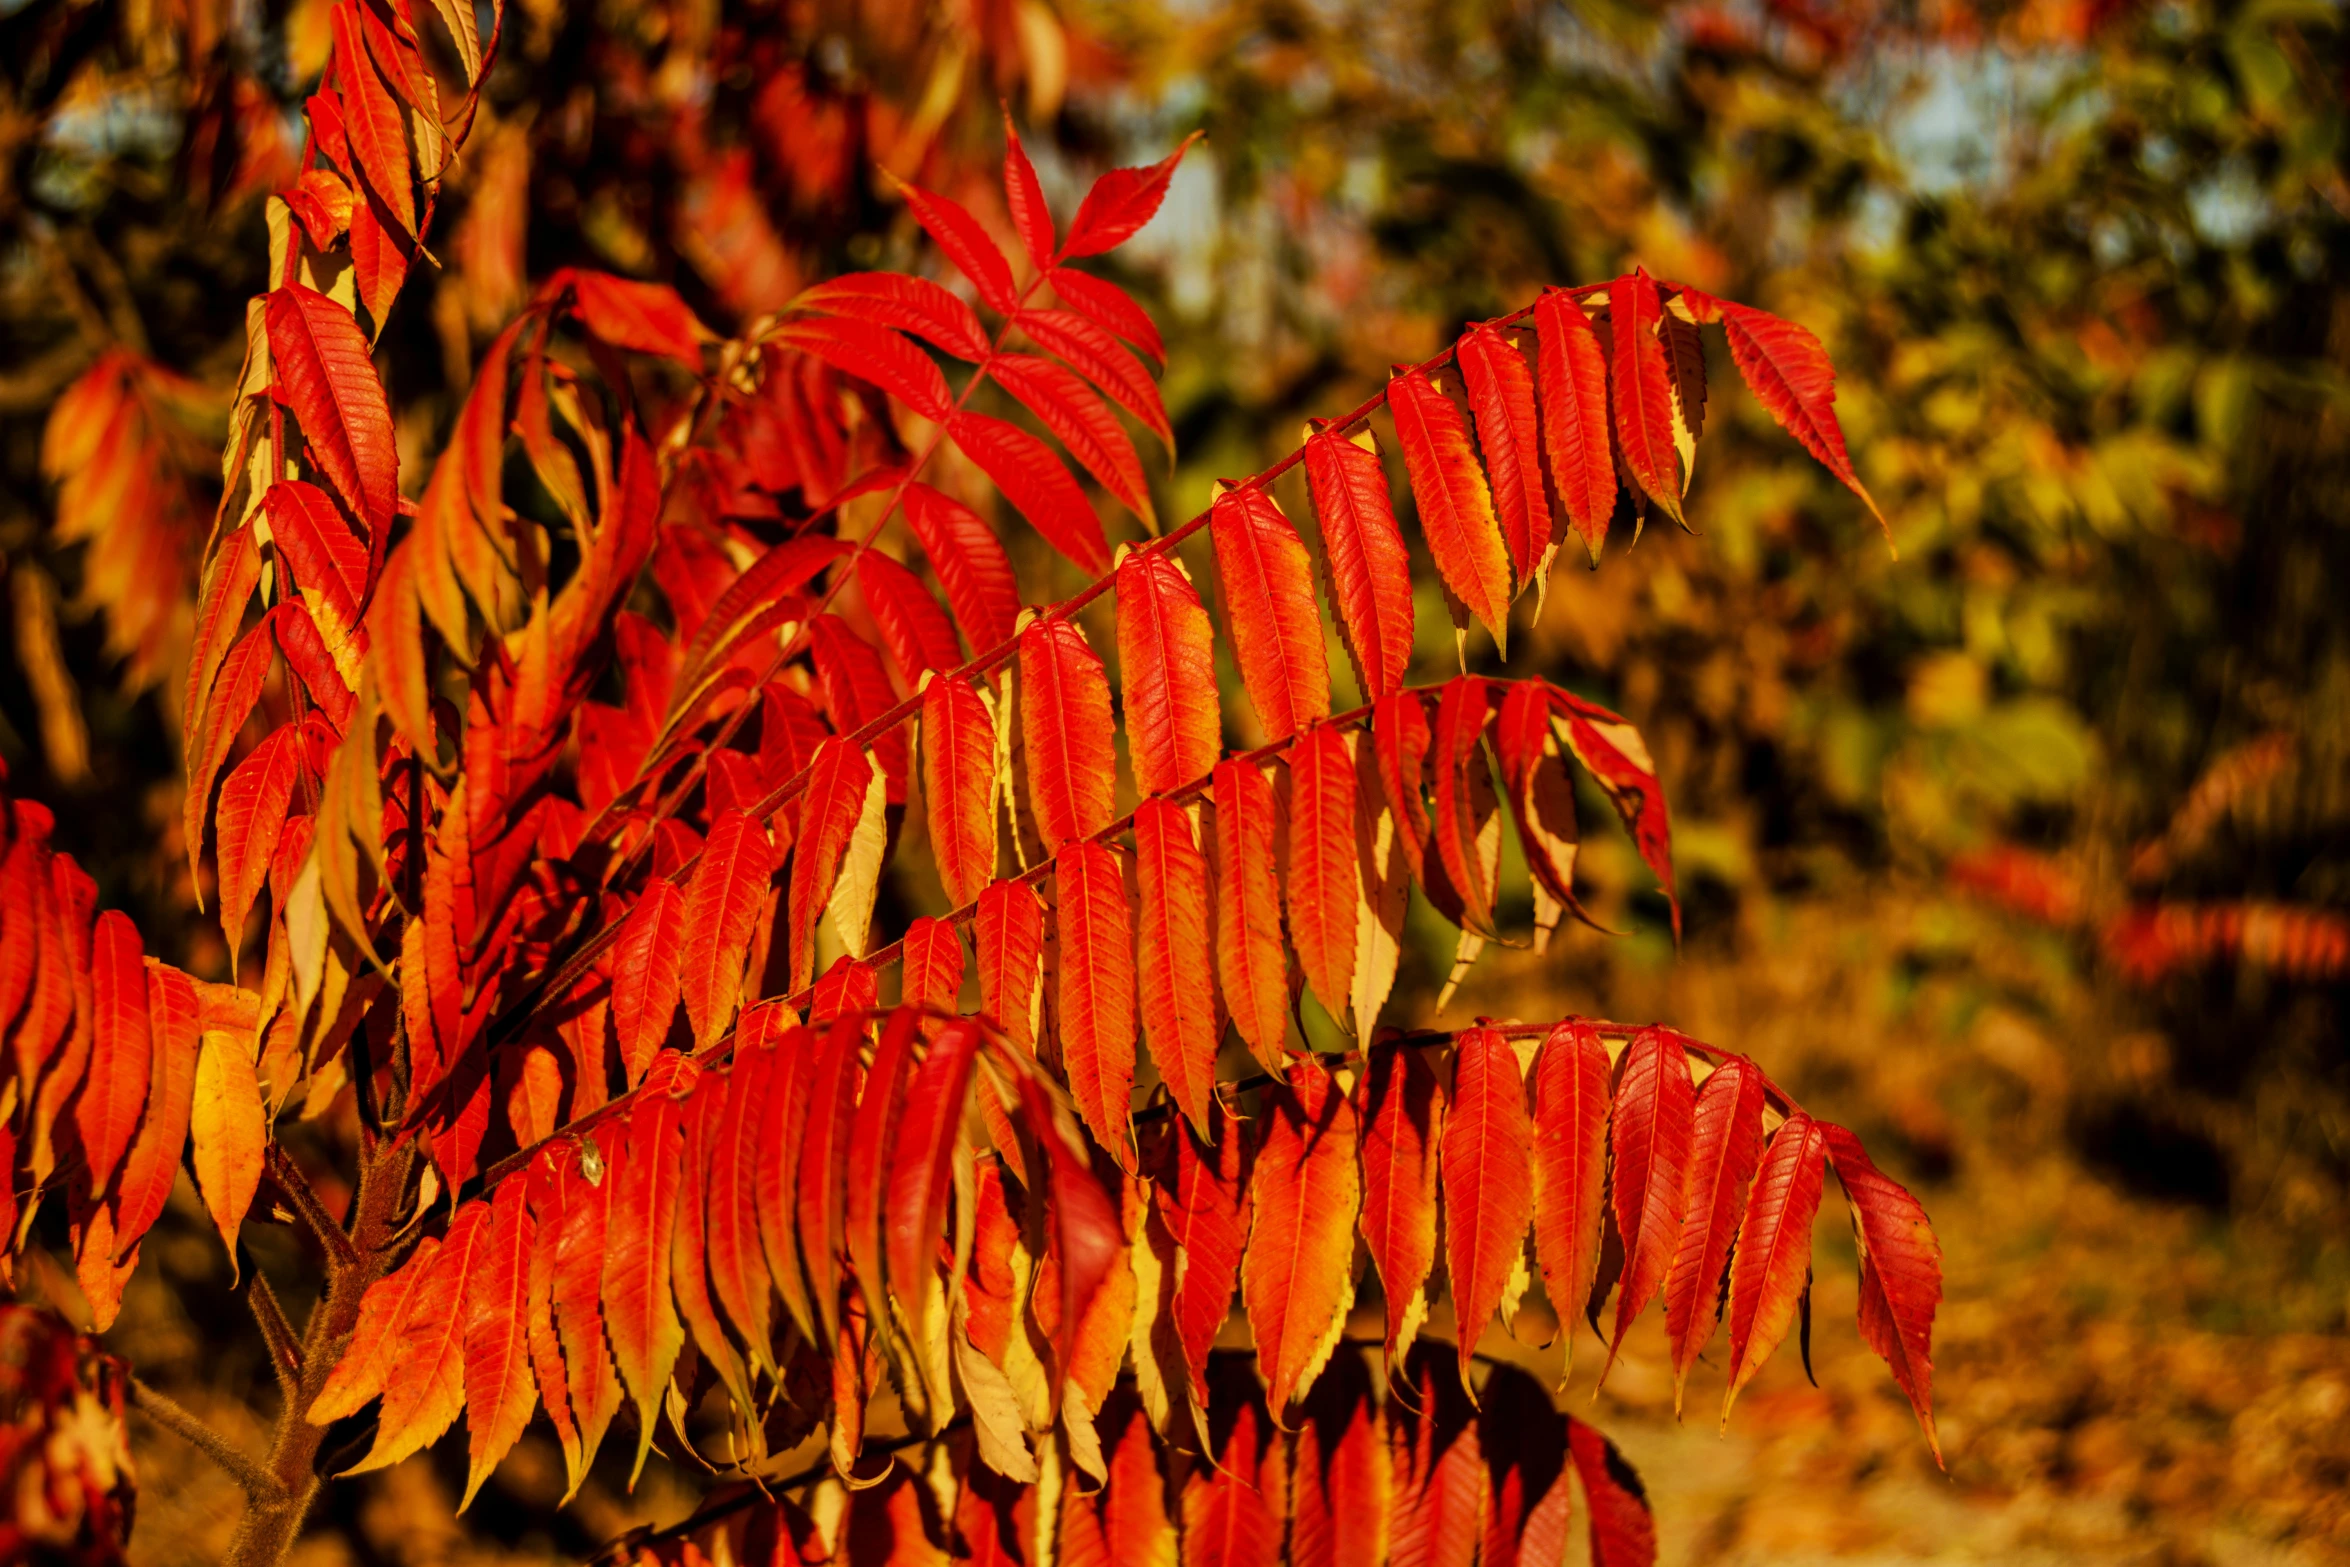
[(1066, 730), (1322, 881), (1402, 1117), (1649, 1141), (1370, 569), (727, 895), (970, 562), (1120, 203), (1572, 372), (648, 972), (1268, 592), (1456, 507), (1251, 961), (1488, 1184), (1640, 390), (1501, 394), (1297, 1276), (1771, 1268), (1569, 1164), (958, 784), (1166, 674), (1789, 373), (1900, 1272), (1174, 968), (1724, 1143), (1095, 1000)]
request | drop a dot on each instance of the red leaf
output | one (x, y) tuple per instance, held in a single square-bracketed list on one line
[(1623, 1532), (1120, 203), (922, 1174), (1036, 484), (1175, 969), (1650, 1142), (874, 1151), (1456, 508), (822, 1206), (774, 1177), (931, 974), (640, 1315), (723, 903), (1010, 934), (1103, 360), (970, 562), (1324, 884), (1725, 1141), (847, 987), (327, 560), (252, 815), (647, 972), (1087, 1237), (1573, 374), (965, 242), (690, 1239), (1542, 798), (1789, 373), (1080, 421), (545, 1195), (328, 380), (1570, 1164), (1297, 1277), (371, 121), (359, 1375), (154, 1158), (1025, 197), (958, 781), (226, 708), (306, 655), (1203, 1203), (1095, 998), (1341, 1490), (1234, 1501), (875, 354), (1464, 798), (838, 780), (916, 631), (857, 692), (424, 1381), (1440, 1485), (1399, 732), (1403, 1102), (1771, 1268), (1501, 393), (1524, 1439), (114, 1093), (1066, 732), (769, 580), (1268, 594), (914, 304), (1618, 761), (1640, 387), (1250, 959), (1900, 1272), (499, 1391), (646, 318), (1109, 307), (229, 581), (1370, 570), (1166, 674), (1488, 1183), (730, 1208)]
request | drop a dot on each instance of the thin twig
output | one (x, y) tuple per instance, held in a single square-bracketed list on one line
[(290, 1180), (285, 1349), (169, 1414)]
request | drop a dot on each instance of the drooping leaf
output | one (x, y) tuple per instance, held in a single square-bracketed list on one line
[(690, 1242), (1323, 886), (1087, 1237), (153, 1159), (252, 816), (1166, 674), (729, 1225), (1268, 592), (1370, 570), (873, 1151), (1725, 1141), (1102, 360), (499, 1391), (1175, 971), (359, 1375), (1465, 828), (580, 1208), (822, 1202), (1440, 1489), (1340, 1487), (327, 561), (1501, 394), (1573, 383), (328, 380), (114, 1092), (1456, 507), (1251, 961), (722, 903), (371, 121), (916, 631), (226, 708), (1488, 1184), (1234, 1499), (1771, 1268), (1542, 799), (1066, 730), (1305, 1190), (839, 779), (931, 972), (1036, 483), (1790, 374), (424, 1378), (775, 1177), (1623, 1531), (1010, 935), (1900, 1272), (857, 693), (647, 974), (1649, 1141), (1570, 1164), (1640, 390), (1403, 1103), (640, 1312), (921, 1176), (1619, 763), (1203, 1203), (958, 782), (1095, 1000), (226, 1130)]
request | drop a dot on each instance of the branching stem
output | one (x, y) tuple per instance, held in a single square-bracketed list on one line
[(168, 1413)]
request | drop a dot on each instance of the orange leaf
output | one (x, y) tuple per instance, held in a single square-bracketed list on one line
[(1570, 1164), (823, 1158), (1771, 1268), (1203, 1201), (1166, 674), (154, 1157), (958, 782), (1649, 1139), (1324, 886), (1250, 959), (873, 1152), (1268, 593), (252, 815), (1342, 1491), (581, 1193), (367, 1360), (499, 1392), (640, 1315), (1725, 1141), (1175, 969), (1501, 394), (372, 125), (226, 707), (114, 1093), (1488, 1183), (723, 903), (1297, 1277), (931, 974), (1456, 508), (838, 780), (227, 1130), (1234, 1502), (424, 1382), (690, 1239), (1623, 1532), (1010, 934), (647, 318), (1618, 761), (1640, 388), (1789, 373), (730, 1212), (1439, 1482), (328, 380), (1370, 570), (1066, 732), (1402, 1108), (921, 1174), (1464, 799), (1094, 1002), (1573, 374), (775, 1176), (647, 970)]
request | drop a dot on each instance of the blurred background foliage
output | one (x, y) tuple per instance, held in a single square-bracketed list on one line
[(2029, 848)]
